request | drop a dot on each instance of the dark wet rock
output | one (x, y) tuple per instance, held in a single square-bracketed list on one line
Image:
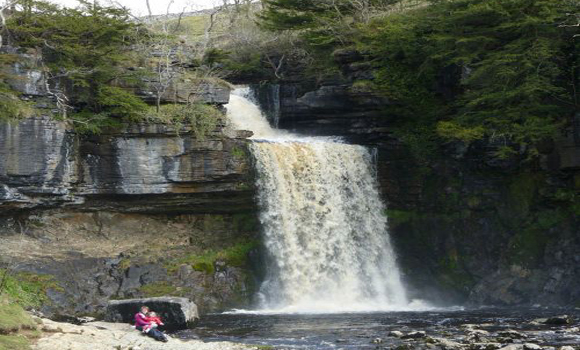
[(559, 320), (484, 346), (512, 334), (414, 335), (404, 347), (176, 313)]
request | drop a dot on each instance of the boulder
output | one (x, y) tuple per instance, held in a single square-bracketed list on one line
[(447, 344), (513, 347), (559, 320), (511, 334), (397, 334), (176, 313)]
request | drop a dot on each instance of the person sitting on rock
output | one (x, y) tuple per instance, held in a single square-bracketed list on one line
[(154, 321), (141, 322)]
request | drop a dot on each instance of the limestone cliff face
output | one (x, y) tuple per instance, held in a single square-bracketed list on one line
[(467, 226), (138, 168)]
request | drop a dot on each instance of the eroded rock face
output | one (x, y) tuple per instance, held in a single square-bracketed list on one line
[(467, 226), (44, 164), (90, 258)]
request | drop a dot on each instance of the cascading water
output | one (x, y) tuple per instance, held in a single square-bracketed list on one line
[(324, 225)]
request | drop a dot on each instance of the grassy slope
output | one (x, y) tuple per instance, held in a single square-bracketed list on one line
[(16, 326)]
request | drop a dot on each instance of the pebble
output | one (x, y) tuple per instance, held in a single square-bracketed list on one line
[(397, 334), (511, 334), (414, 335)]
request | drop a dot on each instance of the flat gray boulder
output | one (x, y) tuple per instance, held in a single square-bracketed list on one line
[(176, 313)]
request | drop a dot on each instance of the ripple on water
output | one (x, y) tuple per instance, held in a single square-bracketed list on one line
[(357, 331)]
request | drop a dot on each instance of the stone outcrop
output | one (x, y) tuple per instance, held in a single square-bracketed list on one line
[(125, 213), (138, 168), (106, 336), (176, 313)]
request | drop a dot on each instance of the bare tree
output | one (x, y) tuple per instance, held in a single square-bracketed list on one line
[(4, 8), (149, 8)]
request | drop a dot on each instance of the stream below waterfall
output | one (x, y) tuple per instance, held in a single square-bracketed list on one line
[(360, 331)]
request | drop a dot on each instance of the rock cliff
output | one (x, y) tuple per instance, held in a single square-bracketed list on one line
[(142, 210), (127, 213)]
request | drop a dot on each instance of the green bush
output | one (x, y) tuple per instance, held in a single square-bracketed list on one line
[(202, 118)]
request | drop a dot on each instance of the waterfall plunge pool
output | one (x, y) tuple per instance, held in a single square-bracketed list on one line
[(358, 331)]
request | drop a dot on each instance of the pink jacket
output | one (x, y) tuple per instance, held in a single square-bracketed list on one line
[(140, 320)]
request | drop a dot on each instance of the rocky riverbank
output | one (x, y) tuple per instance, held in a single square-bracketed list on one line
[(114, 336)]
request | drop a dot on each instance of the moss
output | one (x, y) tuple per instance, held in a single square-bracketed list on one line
[(158, 289), (28, 289), (526, 248), (453, 273), (549, 218), (14, 342), (11, 106), (398, 217), (238, 153), (362, 86), (522, 191), (124, 264), (236, 255), (245, 222)]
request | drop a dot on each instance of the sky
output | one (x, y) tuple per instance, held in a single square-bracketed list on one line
[(158, 7)]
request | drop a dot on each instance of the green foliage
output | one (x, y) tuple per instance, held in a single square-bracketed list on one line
[(451, 130), (235, 255), (158, 289), (514, 69), (84, 50), (26, 289), (12, 107), (202, 118)]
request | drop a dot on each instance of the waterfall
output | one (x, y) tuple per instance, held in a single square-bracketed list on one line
[(325, 231)]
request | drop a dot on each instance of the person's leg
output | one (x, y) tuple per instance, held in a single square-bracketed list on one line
[(155, 333)]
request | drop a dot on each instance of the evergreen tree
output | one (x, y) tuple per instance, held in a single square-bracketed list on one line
[(84, 50)]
